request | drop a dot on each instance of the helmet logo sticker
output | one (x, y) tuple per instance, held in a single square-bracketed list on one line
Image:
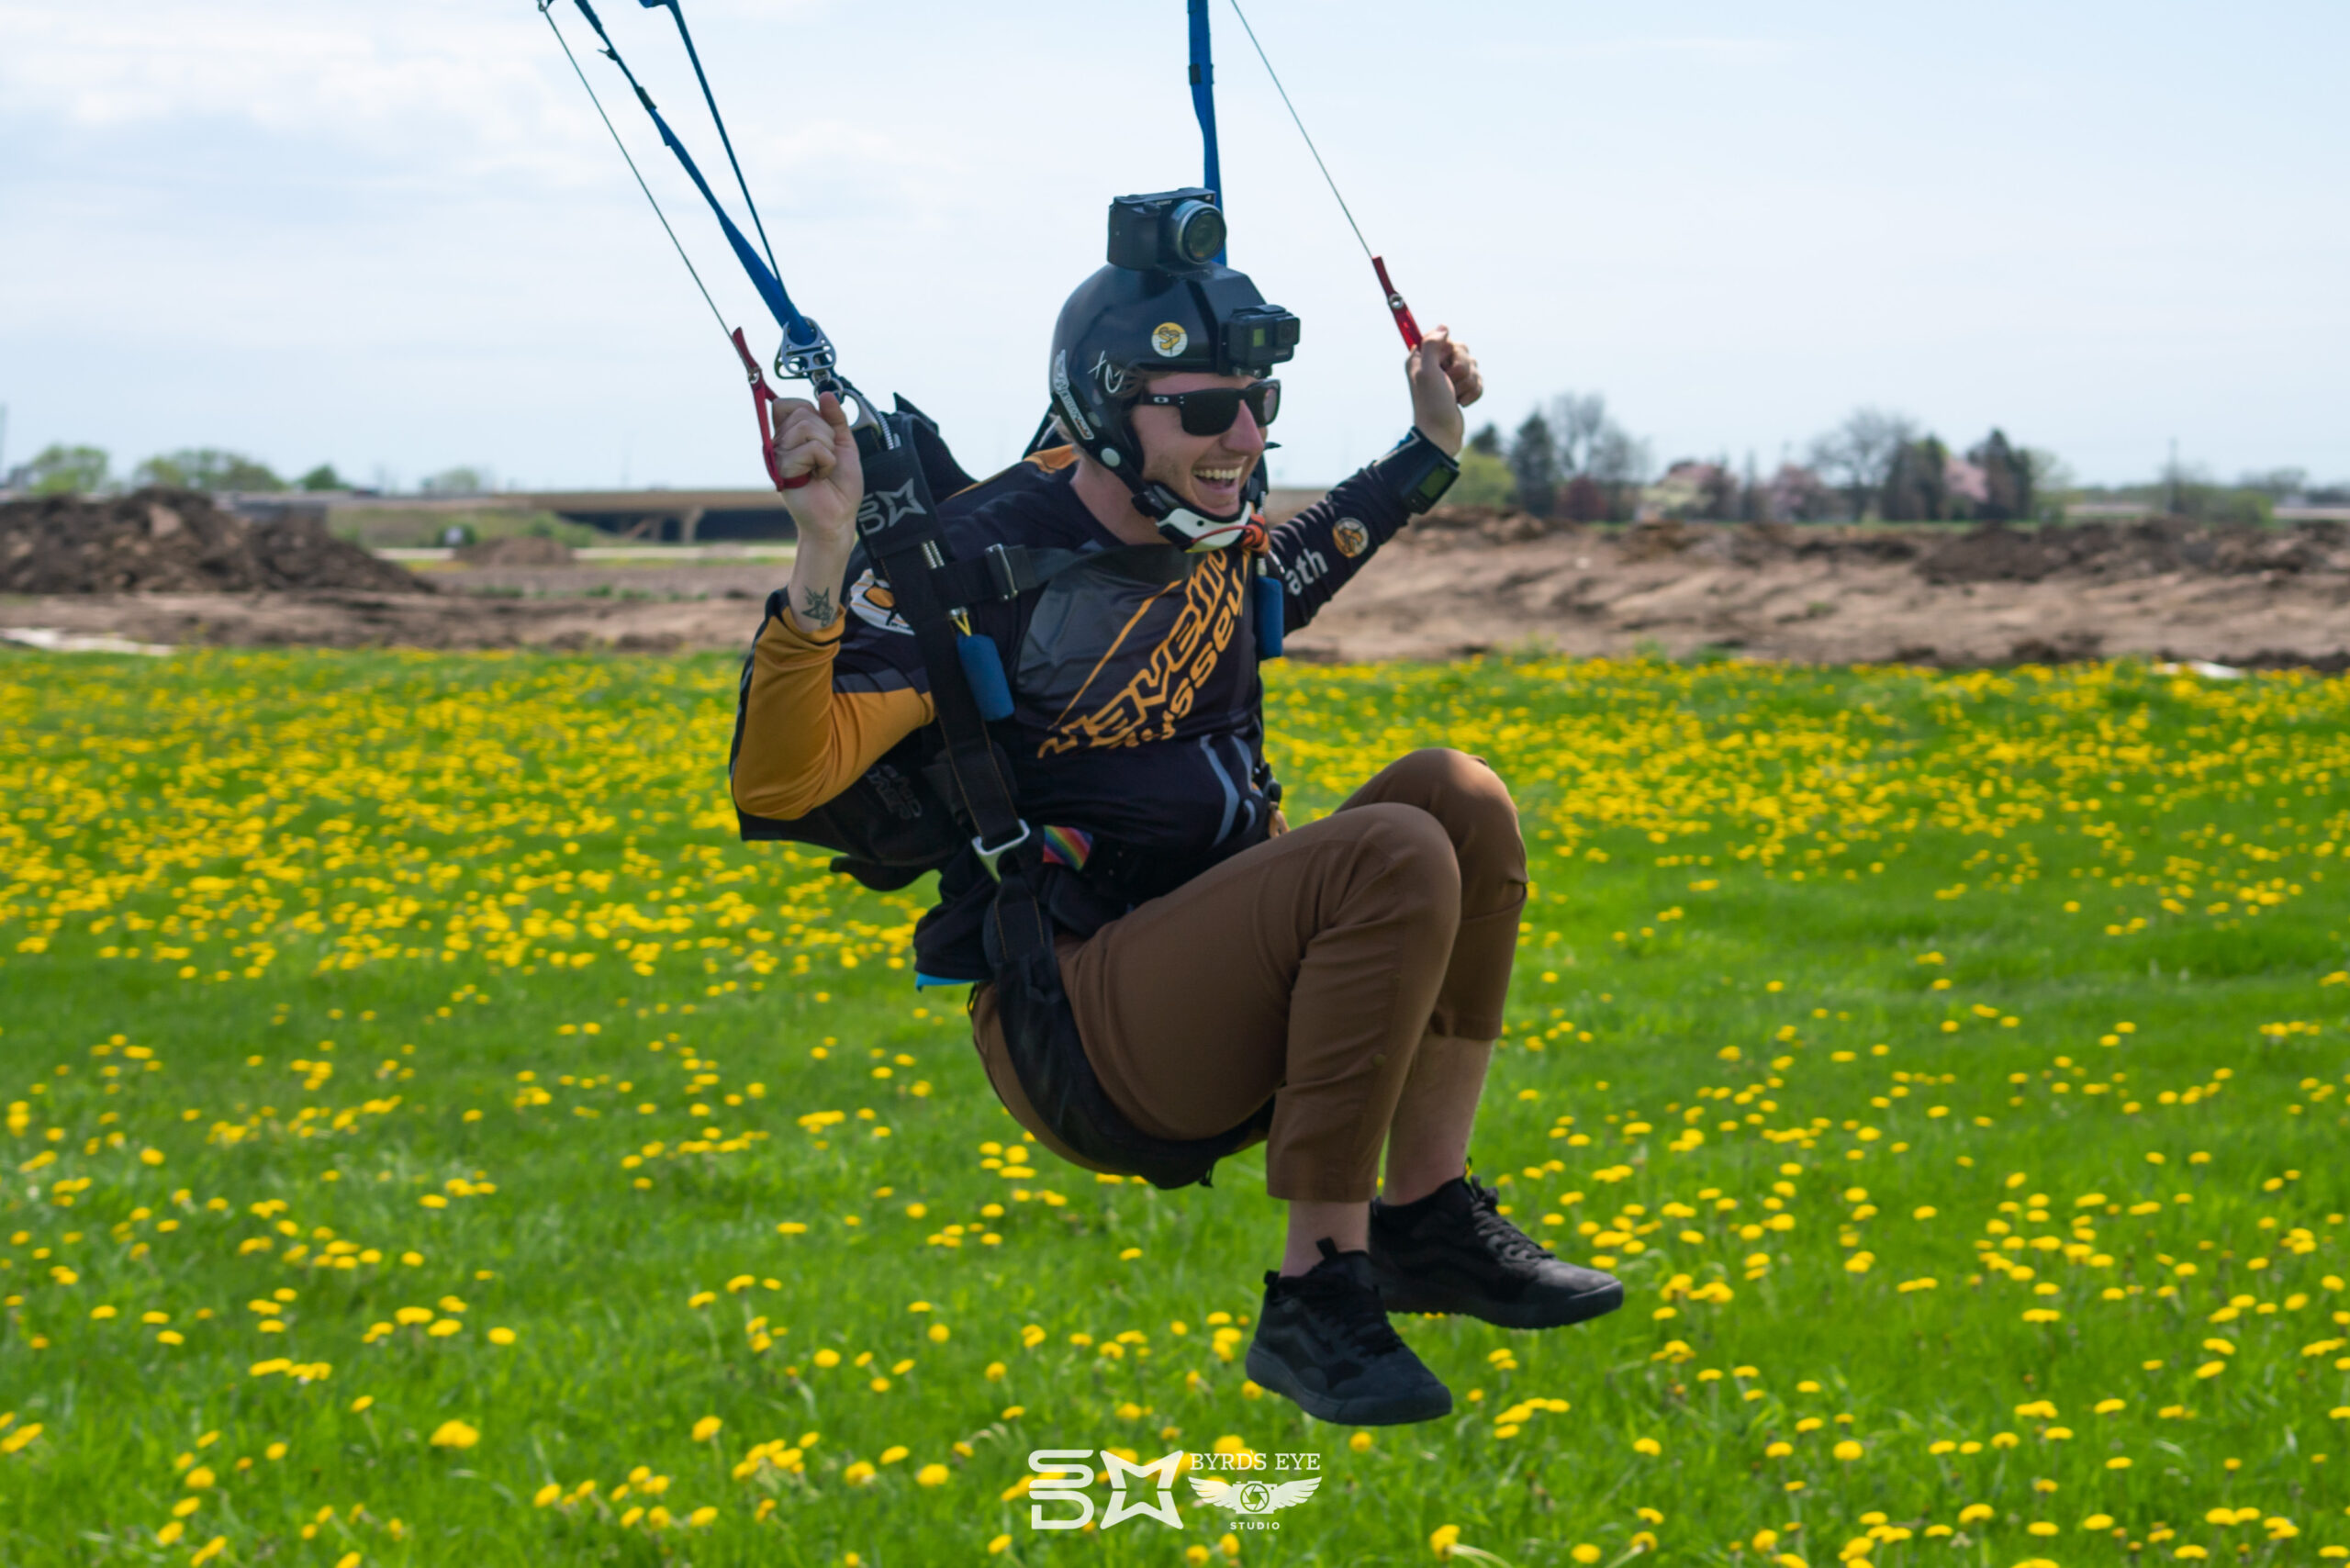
[(1350, 536), (1169, 339), (1113, 378), (1072, 409)]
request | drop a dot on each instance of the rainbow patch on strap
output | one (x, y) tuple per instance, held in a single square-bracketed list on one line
[(1067, 846)]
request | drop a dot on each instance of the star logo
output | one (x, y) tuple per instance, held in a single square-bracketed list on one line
[(882, 508), (1254, 1496)]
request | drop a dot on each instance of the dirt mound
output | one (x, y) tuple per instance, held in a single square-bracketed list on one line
[(167, 540), (2151, 547), (1986, 553), (516, 550), (1490, 524)]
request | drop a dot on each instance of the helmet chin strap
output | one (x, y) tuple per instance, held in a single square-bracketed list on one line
[(1191, 530)]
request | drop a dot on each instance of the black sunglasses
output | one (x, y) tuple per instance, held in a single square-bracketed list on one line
[(1213, 410)]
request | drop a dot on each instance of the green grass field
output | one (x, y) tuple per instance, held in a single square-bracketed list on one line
[(433, 1139)]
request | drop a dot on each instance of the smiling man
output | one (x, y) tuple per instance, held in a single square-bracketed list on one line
[(1335, 990)]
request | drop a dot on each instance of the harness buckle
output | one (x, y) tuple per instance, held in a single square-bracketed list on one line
[(1006, 570), (988, 855)]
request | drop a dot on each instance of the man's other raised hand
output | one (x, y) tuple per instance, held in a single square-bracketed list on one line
[(1444, 380)]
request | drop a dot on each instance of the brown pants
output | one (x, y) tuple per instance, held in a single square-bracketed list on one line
[(1313, 964)]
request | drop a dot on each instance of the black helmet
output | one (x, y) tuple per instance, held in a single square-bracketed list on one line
[(1163, 304)]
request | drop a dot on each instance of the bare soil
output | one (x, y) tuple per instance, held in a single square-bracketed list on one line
[(1479, 581), (1463, 581), (168, 541)]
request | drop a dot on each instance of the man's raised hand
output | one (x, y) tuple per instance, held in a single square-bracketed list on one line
[(814, 439), (1444, 379)]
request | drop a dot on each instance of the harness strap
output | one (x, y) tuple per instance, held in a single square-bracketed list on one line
[(1004, 571), (898, 524)]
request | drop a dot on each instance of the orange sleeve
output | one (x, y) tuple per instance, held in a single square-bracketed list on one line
[(802, 741)]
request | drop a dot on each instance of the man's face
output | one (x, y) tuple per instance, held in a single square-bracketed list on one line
[(1207, 471)]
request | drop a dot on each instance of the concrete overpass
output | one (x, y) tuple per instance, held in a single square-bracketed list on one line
[(680, 517)]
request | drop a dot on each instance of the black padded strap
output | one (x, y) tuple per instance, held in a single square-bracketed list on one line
[(898, 524), (1003, 571)]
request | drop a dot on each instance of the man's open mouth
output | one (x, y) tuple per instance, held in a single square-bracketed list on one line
[(1218, 481)]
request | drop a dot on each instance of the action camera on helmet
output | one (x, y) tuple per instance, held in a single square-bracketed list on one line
[(1258, 337), (1170, 231)]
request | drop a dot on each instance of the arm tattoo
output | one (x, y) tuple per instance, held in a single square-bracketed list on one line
[(816, 608)]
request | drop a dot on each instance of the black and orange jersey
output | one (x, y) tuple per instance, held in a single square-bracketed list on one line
[(1137, 716)]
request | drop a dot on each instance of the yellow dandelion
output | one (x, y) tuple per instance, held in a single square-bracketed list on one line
[(454, 1435)]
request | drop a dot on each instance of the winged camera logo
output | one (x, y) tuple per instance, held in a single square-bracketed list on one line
[(1060, 1476), (1255, 1496)]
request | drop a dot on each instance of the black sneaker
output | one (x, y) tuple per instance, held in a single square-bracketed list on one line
[(1452, 1251), (1323, 1339)]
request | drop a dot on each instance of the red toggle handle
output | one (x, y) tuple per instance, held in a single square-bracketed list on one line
[(1404, 323), (761, 396)]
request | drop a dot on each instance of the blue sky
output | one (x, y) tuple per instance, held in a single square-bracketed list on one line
[(395, 237)]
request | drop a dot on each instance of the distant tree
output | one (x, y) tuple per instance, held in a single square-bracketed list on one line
[(458, 481), (1617, 459), (1717, 491), (2006, 479), (1488, 440), (2277, 484), (2202, 501), (206, 468), (1577, 424), (1916, 486), (1620, 465), (1534, 465), (1857, 456), (1798, 495), (1486, 479), (1584, 499), (323, 477), (58, 470), (1753, 495), (2052, 482)]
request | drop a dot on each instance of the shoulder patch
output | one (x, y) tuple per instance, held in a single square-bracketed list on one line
[(1350, 536), (871, 601)]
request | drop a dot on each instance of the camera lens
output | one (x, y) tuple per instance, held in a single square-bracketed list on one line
[(1198, 232)]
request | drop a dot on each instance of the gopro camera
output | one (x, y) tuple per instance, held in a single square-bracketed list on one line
[(1168, 231), (1258, 337)]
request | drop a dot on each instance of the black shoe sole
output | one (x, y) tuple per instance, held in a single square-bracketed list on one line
[(1399, 1294), (1270, 1372)]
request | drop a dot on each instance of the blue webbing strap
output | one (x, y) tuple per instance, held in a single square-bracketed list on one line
[(796, 328), (678, 15), (1204, 101)]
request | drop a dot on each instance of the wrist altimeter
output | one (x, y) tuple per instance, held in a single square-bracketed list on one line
[(1419, 470)]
